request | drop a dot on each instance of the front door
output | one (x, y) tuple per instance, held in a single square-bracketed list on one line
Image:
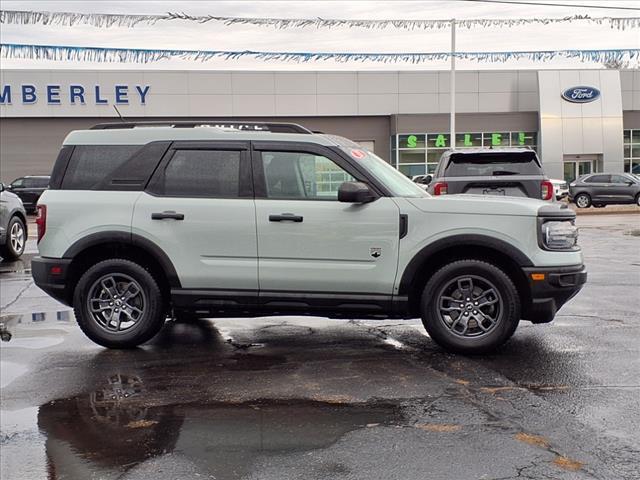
[(199, 210), (310, 242)]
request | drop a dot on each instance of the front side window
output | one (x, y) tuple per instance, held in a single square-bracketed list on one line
[(18, 183), (301, 175), (201, 173), (619, 179)]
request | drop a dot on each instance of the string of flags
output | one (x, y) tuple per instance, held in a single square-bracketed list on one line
[(135, 55), (28, 17)]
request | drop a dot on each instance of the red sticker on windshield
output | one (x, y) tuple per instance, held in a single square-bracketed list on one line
[(358, 154)]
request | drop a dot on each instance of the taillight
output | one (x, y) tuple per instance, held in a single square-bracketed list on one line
[(440, 188), (41, 221), (546, 187)]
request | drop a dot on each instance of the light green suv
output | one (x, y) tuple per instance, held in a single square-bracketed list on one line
[(146, 221)]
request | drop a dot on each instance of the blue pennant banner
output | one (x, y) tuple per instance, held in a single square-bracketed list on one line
[(25, 17), (134, 55)]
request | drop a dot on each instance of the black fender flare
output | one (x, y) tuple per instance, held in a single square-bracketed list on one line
[(127, 238), (464, 240)]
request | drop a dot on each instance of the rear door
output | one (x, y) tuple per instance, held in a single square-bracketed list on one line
[(307, 240), (516, 174), (199, 209)]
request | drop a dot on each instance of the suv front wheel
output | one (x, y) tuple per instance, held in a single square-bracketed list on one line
[(470, 306), (118, 304)]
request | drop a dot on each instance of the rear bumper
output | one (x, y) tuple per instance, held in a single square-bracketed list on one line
[(559, 285), (45, 275)]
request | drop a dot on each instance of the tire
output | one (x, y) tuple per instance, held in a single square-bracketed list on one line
[(103, 288), (503, 307), (638, 200), (583, 200), (16, 239)]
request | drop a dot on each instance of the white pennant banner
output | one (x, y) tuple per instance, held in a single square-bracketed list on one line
[(25, 17), (120, 55)]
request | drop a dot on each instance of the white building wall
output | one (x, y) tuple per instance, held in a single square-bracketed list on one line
[(583, 129), (198, 93)]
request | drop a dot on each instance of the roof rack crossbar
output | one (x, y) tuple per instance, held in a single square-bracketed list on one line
[(274, 127)]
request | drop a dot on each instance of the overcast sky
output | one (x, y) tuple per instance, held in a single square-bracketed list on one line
[(215, 36)]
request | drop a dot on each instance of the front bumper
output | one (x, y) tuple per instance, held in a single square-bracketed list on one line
[(50, 274), (552, 291)]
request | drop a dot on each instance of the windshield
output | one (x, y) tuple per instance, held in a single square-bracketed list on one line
[(396, 182), (492, 164)]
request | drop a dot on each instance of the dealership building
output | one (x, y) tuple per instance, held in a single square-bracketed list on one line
[(578, 121)]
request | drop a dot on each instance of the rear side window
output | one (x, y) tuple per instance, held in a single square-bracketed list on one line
[(201, 173), (489, 164), (89, 164), (40, 182)]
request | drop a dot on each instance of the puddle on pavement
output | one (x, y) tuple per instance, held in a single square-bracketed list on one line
[(112, 430)]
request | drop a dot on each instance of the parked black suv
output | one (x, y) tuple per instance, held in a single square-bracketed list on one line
[(514, 172), (600, 189), (29, 189)]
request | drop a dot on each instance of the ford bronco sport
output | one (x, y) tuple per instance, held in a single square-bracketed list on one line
[(146, 221)]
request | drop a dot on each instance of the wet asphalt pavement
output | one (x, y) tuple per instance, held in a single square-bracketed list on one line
[(311, 398)]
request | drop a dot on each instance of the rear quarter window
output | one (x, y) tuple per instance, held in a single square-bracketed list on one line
[(89, 164), (490, 164)]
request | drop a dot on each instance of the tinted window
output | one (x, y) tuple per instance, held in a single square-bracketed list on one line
[(598, 179), (201, 173), (302, 175), (18, 183), (36, 182), (620, 179), (91, 163), (488, 164)]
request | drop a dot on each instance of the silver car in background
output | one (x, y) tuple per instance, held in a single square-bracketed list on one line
[(13, 225)]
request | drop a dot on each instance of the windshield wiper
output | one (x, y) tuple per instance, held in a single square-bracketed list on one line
[(505, 172)]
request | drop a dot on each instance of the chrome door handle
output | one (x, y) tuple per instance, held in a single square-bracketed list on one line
[(286, 217)]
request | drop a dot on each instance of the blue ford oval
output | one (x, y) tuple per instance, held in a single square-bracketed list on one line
[(581, 94)]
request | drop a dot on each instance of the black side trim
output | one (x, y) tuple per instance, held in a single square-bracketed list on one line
[(548, 295), (96, 239), (54, 285), (126, 238), (431, 250), (252, 302), (404, 225)]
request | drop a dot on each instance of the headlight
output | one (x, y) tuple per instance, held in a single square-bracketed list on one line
[(559, 235)]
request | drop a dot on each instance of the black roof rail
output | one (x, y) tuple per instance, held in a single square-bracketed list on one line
[(274, 127)]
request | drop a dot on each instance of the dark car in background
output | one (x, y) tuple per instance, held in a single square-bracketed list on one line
[(600, 189), (514, 172), (29, 189)]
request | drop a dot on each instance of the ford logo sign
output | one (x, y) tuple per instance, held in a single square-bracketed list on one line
[(581, 94)]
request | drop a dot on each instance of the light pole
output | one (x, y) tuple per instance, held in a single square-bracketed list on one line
[(452, 88)]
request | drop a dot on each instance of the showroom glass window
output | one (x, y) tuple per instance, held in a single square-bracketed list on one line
[(631, 140), (419, 153)]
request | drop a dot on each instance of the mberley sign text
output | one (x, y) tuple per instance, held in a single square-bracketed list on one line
[(74, 94)]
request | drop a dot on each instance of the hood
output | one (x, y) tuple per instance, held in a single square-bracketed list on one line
[(484, 205)]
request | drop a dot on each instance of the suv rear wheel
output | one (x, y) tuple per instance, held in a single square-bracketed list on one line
[(118, 304), (470, 306)]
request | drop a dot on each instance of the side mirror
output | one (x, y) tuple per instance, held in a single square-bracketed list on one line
[(355, 192)]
